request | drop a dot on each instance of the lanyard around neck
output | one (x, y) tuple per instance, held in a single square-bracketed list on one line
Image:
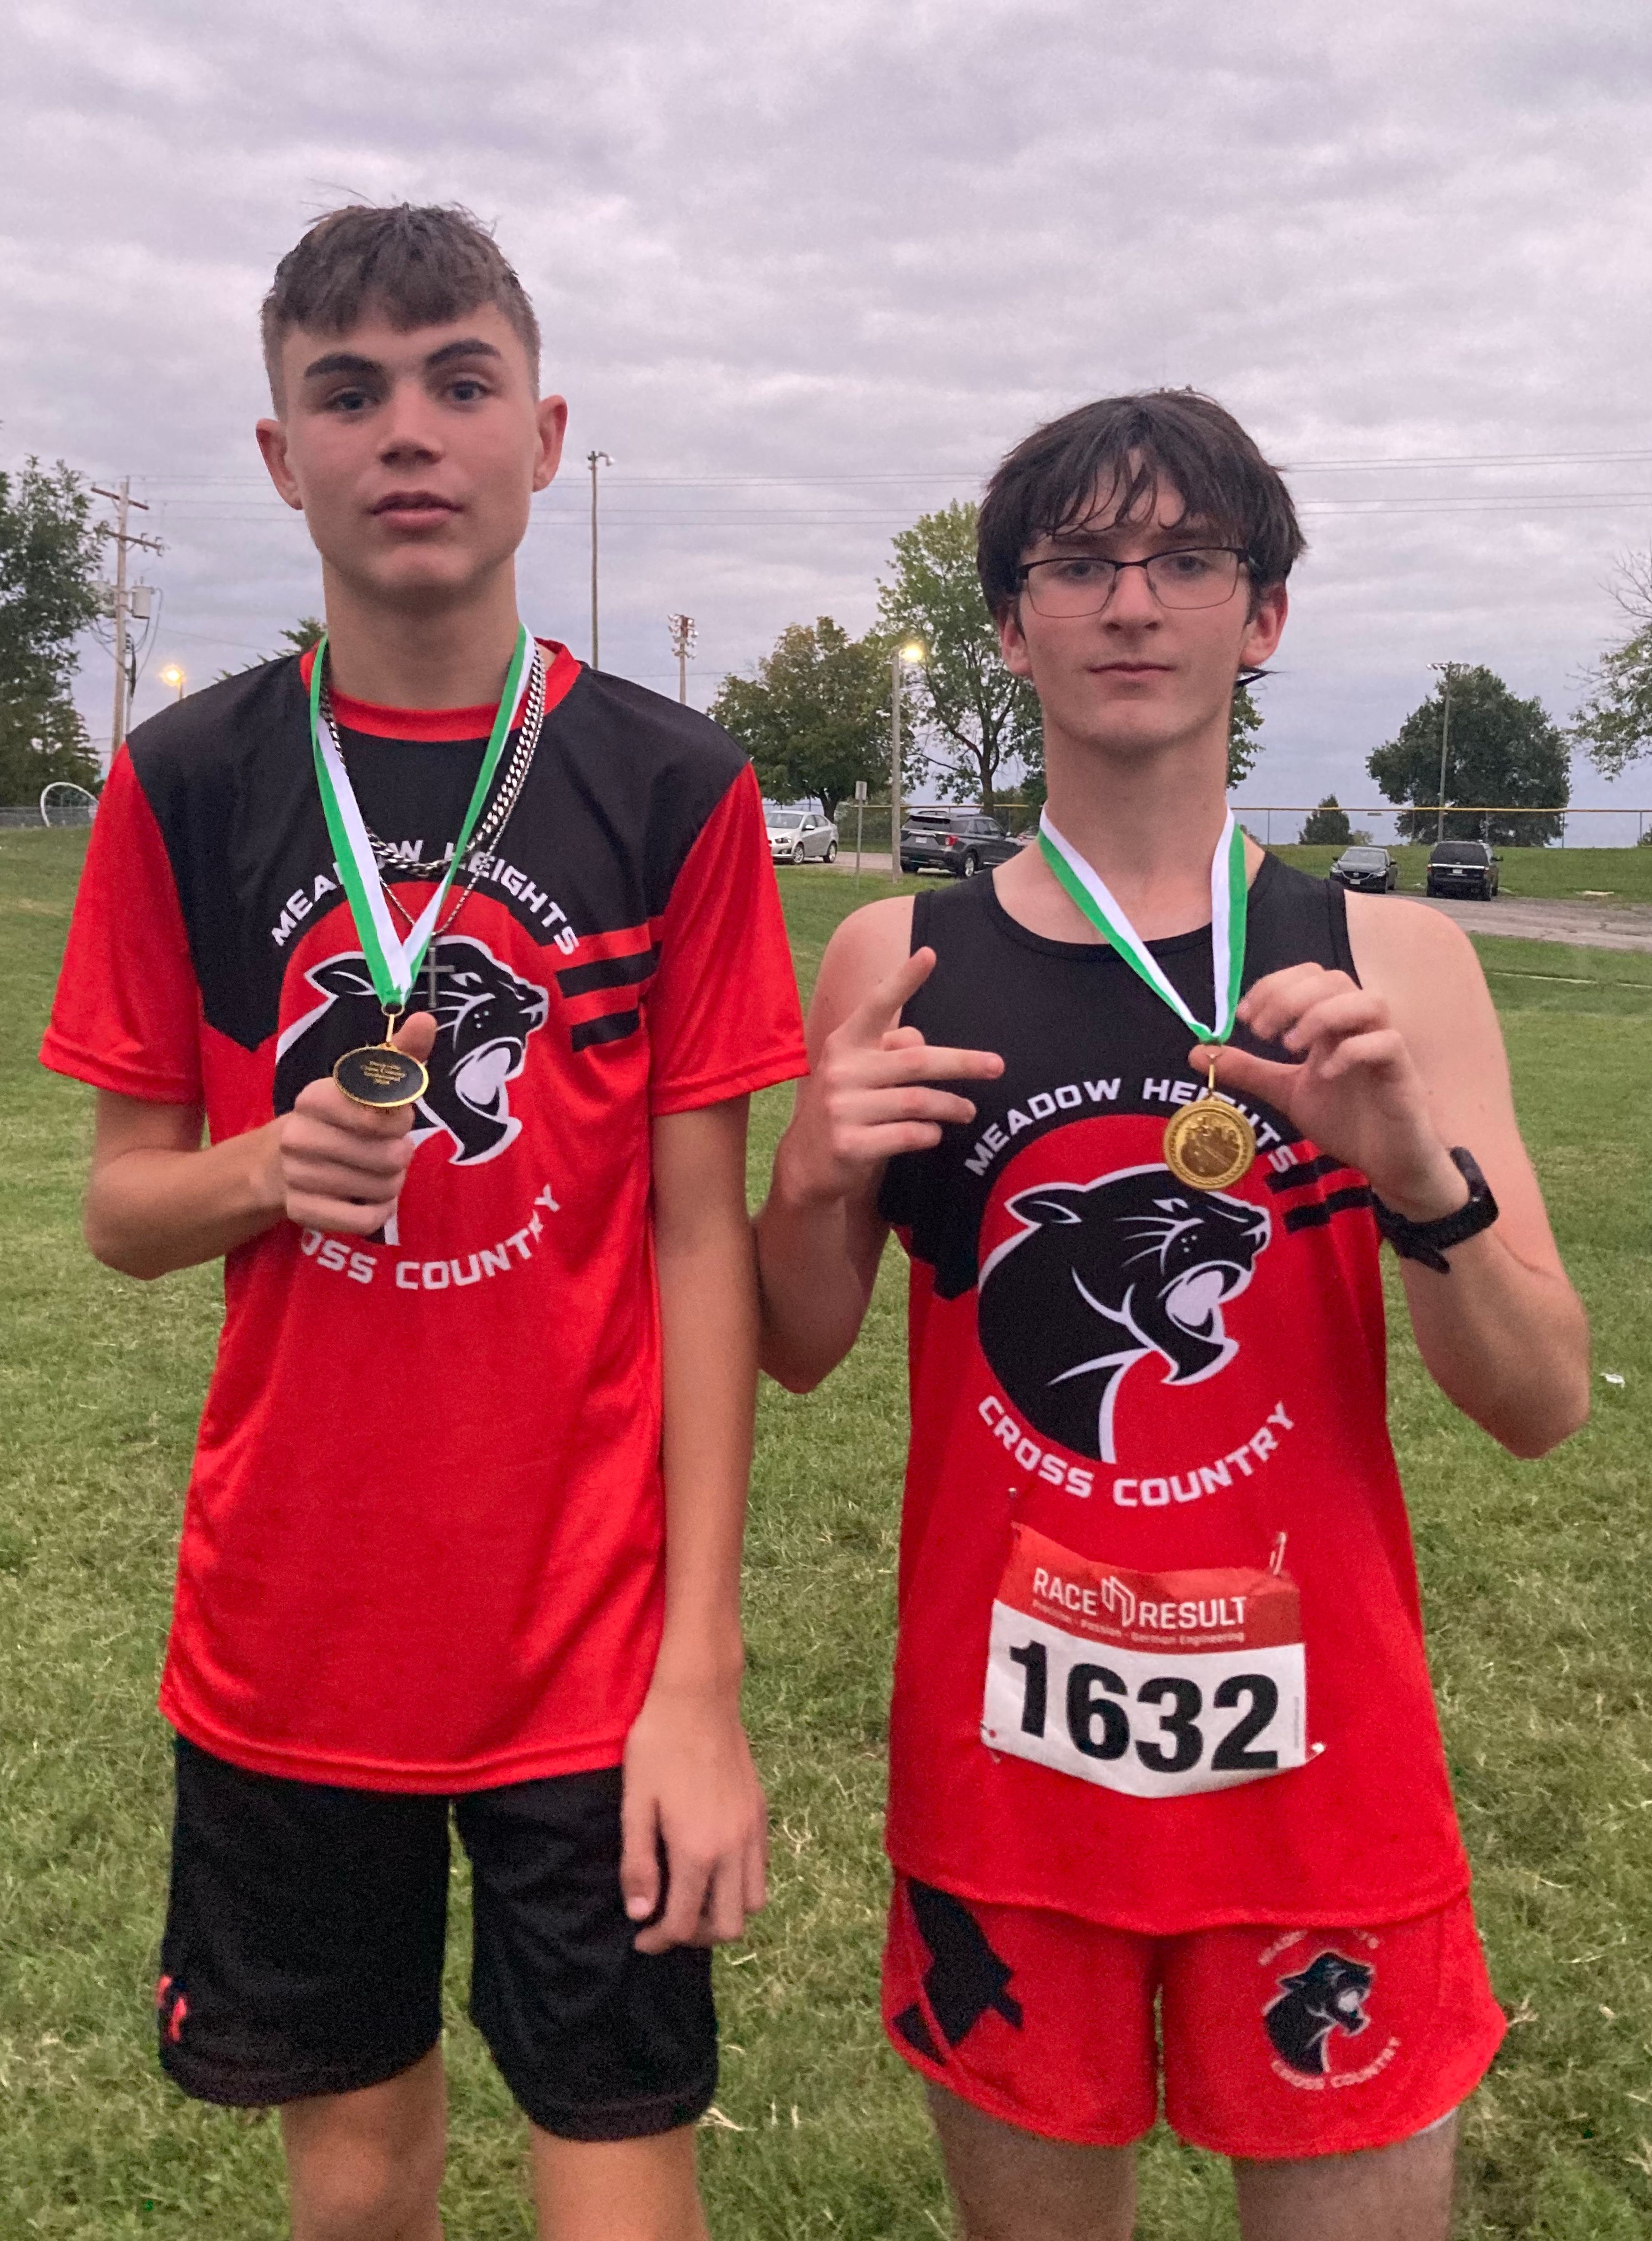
[(392, 962), (1229, 897)]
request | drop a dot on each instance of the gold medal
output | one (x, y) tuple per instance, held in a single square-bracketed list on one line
[(380, 1074), (1209, 1144)]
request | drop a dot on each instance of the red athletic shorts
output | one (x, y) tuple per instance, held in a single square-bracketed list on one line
[(1276, 2042)]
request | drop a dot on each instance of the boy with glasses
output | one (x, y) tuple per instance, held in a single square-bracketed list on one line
[(1141, 1108), (470, 958)]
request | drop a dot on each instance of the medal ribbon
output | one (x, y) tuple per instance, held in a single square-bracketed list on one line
[(394, 963), (1229, 897)]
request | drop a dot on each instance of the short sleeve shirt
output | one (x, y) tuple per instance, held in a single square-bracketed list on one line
[(422, 1541)]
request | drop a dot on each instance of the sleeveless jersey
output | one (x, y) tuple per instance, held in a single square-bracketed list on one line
[(1161, 1660)]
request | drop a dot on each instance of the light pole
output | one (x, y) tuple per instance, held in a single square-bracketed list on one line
[(910, 656), (593, 459), (173, 675), (1448, 669), (682, 645)]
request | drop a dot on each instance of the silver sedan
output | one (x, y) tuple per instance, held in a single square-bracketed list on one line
[(800, 836)]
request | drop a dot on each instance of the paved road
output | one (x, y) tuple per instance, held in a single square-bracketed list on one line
[(1523, 917), (1555, 917)]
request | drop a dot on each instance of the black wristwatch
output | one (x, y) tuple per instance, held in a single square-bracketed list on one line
[(1427, 1242)]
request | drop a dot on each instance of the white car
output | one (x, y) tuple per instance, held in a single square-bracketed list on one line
[(796, 836)]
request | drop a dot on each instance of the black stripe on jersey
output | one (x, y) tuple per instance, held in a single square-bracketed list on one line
[(1309, 1172), (608, 973), (612, 1027), (1316, 1216)]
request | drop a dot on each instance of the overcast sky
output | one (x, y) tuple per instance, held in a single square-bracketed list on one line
[(806, 272)]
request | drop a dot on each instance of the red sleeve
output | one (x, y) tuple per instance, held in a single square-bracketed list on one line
[(724, 1017), (127, 1014)]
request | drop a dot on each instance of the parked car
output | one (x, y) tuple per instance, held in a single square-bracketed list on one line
[(800, 836), (959, 841), (1463, 867), (1372, 871)]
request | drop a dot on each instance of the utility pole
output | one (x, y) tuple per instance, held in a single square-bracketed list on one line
[(123, 501), (1448, 671), (683, 634), (903, 658), (593, 459)]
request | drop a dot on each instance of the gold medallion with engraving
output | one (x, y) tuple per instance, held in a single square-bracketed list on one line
[(381, 1075), (1209, 1144)]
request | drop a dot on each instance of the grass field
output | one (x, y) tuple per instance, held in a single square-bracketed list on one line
[(1542, 1646)]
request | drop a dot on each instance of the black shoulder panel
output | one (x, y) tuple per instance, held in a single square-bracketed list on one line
[(652, 773), (228, 778)]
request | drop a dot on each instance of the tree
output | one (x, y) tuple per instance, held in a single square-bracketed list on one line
[(49, 593), (1501, 751), (1244, 722), (308, 630), (1327, 827), (1614, 726), (41, 741), (815, 718), (974, 718)]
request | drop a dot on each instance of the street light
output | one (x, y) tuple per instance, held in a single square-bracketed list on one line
[(593, 459), (1448, 669), (173, 675), (910, 656)]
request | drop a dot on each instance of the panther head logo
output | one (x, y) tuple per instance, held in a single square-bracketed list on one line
[(484, 1013), (1328, 1996), (1103, 1274)]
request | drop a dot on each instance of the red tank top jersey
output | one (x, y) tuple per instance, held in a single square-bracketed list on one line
[(422, 1544), (1161, 1660)]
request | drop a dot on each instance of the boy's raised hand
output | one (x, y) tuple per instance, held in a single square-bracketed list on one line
[(871, 1096), (1355, 1089), (340, 1165)]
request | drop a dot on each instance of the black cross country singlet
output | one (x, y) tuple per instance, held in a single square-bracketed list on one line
[(1160, 1657)]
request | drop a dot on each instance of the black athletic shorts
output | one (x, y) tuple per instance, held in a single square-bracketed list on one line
[(304, 1934)]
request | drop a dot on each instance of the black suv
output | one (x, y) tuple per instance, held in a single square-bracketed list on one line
[(1463, 867), (960, 841)]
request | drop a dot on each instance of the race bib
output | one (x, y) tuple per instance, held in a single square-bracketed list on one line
[(1155, 1683)]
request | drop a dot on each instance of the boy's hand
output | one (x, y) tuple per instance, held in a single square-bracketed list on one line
[(867, 1097), (692, 1790), (1358, 1091), (340, 1165)]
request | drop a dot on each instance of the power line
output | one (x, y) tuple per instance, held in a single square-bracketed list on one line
[(1350, 465), (778, 516)]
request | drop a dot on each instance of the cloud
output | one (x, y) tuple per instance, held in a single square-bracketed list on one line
[(807, 272)]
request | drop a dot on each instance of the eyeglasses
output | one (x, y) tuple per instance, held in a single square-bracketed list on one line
[(1082, 583)]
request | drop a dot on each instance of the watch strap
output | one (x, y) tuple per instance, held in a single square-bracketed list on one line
[(1429, 1242)]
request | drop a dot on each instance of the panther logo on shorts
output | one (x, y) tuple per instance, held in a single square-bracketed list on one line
[(1326, 1996), (1106, 1273), (965, 1978)]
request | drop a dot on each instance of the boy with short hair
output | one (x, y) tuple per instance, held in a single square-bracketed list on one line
[(470, 958), (1162, 1733)]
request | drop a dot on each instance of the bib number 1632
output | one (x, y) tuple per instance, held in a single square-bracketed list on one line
[(1203, 1695)]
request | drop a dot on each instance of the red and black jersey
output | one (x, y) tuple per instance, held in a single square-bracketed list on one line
[(1160, 1659), (422, 1547)]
